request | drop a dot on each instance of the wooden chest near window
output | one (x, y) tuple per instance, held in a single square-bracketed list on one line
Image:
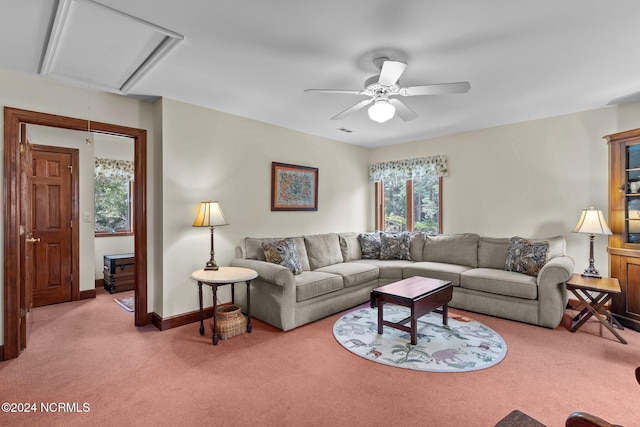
[(119, 272), (624, 219)]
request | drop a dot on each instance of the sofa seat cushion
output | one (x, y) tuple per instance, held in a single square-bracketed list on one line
[(500, 282), (389, 269), (310, 284), (353, 273), (435, 270)]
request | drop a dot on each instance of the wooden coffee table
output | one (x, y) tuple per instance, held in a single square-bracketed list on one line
[(421, 294)]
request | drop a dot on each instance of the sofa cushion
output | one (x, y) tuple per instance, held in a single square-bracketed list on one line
[(500, 282), (525, 256), (350, 246), (435, 270), (395, 246), (323, 250), (416, 246), (370, 245), (388, 269), (251, 248), (461, 249), (283, 252), (492, 252), (353, 273), (310, 284)]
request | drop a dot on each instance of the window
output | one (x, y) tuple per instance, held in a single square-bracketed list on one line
[(113, 197), (412, 205), (409, 194)]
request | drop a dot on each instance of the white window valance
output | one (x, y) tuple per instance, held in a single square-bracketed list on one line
[(112, 168), (408, 169)]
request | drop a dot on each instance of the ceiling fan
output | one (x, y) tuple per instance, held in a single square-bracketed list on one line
[(382, 88)]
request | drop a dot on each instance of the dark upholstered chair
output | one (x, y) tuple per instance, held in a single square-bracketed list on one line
[(583, 419)]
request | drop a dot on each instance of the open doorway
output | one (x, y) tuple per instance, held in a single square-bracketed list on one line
[(14, 239)]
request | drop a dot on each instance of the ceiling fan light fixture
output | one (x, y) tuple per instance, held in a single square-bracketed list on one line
[(381, 111)]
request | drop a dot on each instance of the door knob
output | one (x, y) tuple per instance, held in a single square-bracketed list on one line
[(33, 239)]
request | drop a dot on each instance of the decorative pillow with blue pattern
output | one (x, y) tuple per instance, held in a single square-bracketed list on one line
[(370, 245), (525, 256), (395, 246), (283, 252)]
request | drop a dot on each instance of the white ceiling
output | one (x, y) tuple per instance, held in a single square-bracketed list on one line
[(524, 60)]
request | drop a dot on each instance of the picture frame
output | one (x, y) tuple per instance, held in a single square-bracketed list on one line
[(293, 187)]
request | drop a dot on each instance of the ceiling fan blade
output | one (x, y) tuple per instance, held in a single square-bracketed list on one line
[(348, 92), (437, 89), (391, 72), (402, 111), (352, 109)]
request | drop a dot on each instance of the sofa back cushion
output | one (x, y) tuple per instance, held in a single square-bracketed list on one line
[(416, 246), (461, 249), (323, 250), (350, 246), (251, 248), (492, 252)]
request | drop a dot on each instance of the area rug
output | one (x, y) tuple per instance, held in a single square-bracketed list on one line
[(125, 302), (461, 346)]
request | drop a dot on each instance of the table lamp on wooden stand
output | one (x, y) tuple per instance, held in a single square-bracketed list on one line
[(210, 215), (591, 222)]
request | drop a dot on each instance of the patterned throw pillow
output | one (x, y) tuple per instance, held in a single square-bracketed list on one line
[(524, 256), (369, 245), (395, 246), (283, 252)]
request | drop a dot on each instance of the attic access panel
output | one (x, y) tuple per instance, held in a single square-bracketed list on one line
[(92, 44)]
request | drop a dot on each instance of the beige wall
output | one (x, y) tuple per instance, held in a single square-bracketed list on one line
[(530, 179), (208, 154), (38, 94)]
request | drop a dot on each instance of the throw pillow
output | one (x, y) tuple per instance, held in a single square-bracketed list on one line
[(527, 257), (369, 245), (395, 246), (283, 252)]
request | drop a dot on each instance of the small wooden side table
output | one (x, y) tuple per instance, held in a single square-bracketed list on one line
[(223, 276), (605, 289)]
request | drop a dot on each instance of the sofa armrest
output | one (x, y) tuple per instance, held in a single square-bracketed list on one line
[(268, 272), (552, 291)]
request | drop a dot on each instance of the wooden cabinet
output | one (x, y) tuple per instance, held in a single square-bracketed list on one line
[(624, 221), (119, 272)]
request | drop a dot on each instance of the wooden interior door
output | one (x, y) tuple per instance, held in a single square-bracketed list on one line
[(26, 238), (51, 208)]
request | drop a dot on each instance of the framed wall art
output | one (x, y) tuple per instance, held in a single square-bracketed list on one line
[(293, 188)]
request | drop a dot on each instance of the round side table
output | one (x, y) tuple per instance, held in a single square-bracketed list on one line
[(223, 276)]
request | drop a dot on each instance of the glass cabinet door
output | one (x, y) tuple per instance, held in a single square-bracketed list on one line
[(632, 211)]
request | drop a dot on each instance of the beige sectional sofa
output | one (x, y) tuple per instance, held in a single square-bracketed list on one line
[(334, 277)]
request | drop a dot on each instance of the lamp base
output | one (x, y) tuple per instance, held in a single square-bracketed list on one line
[(591, 272), (211, 266)]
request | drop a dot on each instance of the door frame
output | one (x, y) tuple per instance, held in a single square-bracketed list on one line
[(12, 119)]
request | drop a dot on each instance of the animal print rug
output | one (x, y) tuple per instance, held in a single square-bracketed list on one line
[(461, 346)]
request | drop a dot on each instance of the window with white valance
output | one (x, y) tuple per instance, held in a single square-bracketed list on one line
[(402, 170), (409, 193)]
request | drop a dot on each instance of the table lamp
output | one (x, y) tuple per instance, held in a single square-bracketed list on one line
[(210, 215), (591, 222)]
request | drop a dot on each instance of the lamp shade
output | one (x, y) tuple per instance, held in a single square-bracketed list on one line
[(210, 215), (381, 111), (592, 222)]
